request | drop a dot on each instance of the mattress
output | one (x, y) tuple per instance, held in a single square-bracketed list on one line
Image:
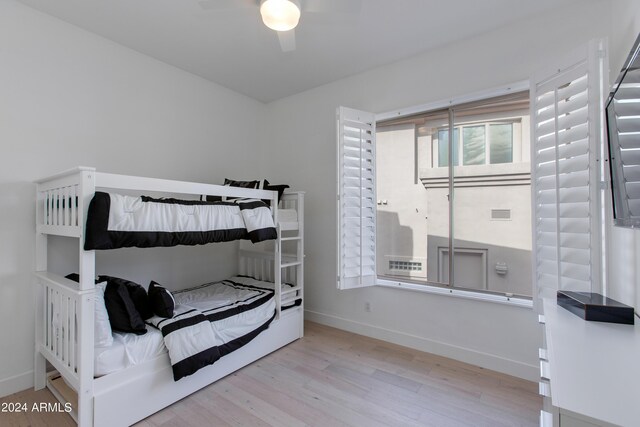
[(128, 350), (119, 221), (208, 296), (237, 309)]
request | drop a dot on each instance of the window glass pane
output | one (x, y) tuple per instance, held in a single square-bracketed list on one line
[(473, 145), (403, 205), (492, 224), (443, 147), (436, 209), (491, 215), (501, 139)]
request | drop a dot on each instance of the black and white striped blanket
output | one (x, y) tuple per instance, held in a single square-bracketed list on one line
[(118, 221), (213, 320)]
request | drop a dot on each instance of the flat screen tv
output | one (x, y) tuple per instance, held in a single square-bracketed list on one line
[(623, 128)]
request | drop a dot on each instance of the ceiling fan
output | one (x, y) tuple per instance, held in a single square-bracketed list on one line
[(283, 16)]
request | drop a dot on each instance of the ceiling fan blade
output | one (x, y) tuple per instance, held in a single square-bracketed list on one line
[(333, 6), (226, 4), (287, 40)]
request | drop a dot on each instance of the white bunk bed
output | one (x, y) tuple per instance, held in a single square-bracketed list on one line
[(64, 334)]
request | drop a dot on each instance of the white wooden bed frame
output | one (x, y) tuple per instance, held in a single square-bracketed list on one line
[(65, 309)]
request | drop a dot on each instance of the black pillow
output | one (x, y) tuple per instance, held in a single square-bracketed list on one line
[(273, 187), (232, 183), (137, 293), (161, 300), (123, 315)]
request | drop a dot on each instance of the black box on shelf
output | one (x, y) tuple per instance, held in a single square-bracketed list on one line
[(592, 306)]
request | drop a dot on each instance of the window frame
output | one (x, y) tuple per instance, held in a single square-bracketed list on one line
[(434, 287), (516, 142), (596, 55)]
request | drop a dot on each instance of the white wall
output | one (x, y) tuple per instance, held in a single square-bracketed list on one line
[(624, 244), (499, 337), (68, 98)]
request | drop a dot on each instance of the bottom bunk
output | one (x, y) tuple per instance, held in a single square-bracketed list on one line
[(134, 377), (238, 309), (130, 395)]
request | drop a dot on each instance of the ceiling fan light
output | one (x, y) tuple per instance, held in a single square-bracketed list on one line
[(280, 15)]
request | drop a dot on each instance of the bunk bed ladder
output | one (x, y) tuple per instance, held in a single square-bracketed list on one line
[(292, 265)]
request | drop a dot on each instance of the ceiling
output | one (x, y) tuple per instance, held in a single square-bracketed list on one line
[(229, 45)]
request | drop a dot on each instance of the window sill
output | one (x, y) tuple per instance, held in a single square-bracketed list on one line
[(458, 293)]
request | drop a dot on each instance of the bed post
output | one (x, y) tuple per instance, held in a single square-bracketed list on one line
[(277, 256), (40, 363), (87, 263), (300, 255), (86, 309)]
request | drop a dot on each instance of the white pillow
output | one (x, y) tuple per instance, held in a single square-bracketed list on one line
[(101, 326)]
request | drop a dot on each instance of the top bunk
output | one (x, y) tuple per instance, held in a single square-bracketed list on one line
[(64, 199)]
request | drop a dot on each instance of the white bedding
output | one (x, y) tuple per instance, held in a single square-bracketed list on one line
[(117, 221), (128, 350), (229, 328)]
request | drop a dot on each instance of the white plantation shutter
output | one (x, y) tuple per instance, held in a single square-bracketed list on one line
[(566, 116), (356, 199)]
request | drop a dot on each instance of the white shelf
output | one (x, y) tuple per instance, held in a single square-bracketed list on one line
[(594, 366)]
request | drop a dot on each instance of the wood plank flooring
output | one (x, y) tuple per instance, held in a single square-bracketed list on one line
[(335, 378)]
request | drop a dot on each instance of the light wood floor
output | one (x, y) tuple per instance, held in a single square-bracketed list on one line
[(335, 378)]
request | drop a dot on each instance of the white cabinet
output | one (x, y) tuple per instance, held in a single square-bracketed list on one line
[(589, 371)]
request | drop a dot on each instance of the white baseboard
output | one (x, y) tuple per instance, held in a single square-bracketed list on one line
[(16, 383), (473, 357)]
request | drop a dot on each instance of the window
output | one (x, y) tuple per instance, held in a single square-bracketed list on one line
[(473, 145), (443, 147), (482, 143), (456, 190), (501, 137), (468, 219)]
